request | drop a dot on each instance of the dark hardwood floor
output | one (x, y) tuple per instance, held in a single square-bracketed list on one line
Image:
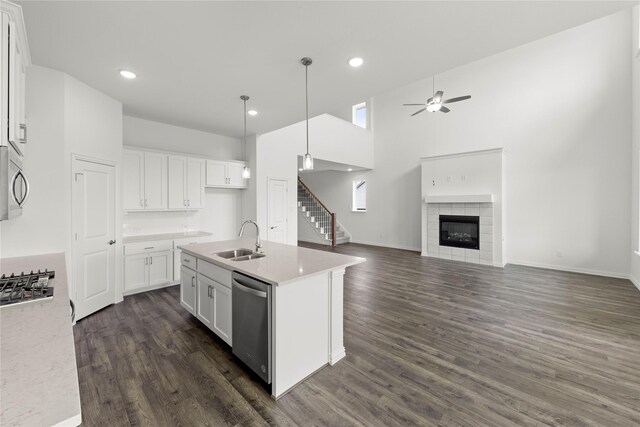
[(429, 342)]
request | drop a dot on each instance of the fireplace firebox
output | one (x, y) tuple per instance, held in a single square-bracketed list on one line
[(460, 231)]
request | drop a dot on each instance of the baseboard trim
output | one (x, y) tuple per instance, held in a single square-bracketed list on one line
[(635, 282), (570, 269), (386, 245)]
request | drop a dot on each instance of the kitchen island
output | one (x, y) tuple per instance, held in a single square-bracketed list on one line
[(306, 306)]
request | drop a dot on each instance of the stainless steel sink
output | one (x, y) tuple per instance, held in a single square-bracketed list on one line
[(249, 257), (235, 253)]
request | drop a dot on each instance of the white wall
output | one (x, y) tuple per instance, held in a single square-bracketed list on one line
[(277, 152), (42, 226), (223, 208), (559, 106), (64, 117), (635, 151)]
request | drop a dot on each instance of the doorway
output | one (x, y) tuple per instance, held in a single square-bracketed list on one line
[(94, 220), (278, 210)]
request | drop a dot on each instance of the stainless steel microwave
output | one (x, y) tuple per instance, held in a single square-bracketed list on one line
[(14, 186)]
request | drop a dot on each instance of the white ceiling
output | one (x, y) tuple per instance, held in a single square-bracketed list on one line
[(194, 59)]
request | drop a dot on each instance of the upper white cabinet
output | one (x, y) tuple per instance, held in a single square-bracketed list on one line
[(144, 179), (14, 59), (186, 183), (226, 174)]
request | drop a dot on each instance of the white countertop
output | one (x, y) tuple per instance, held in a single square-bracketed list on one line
[(38, 374), (282, 265), (164, 236)]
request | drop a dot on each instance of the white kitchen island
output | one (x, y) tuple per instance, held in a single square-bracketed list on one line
[(306, 301)]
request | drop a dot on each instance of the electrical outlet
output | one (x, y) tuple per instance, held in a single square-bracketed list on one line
[(559, 253), (448, 178), (463, 178)]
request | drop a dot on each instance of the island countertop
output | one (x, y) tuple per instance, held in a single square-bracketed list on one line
[(38, 374), (282, 264)]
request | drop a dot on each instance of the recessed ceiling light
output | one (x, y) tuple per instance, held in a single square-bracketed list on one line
[(128, 74), (356, 62), (252, 112), (349, 170)]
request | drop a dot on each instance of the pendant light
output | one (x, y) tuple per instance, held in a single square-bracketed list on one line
[(246, 172), (307, 162)]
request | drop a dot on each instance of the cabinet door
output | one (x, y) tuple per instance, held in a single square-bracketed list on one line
[(135, 272), (204, 300), (188, 289), (234, 174), (222, 312), (132, 180), (195, 183), (160, 268), (155, 180), (216, 173), (4, 79), (177, 182), (13, 83)]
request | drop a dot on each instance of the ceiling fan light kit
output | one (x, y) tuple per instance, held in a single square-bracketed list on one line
[(435, 103)]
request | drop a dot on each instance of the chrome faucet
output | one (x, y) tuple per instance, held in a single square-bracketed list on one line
[(258, 245)]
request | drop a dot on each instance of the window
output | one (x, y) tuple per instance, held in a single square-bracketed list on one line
[(359, 196), (359, 115)]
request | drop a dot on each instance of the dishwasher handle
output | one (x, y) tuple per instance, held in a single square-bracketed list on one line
[(243, 288)]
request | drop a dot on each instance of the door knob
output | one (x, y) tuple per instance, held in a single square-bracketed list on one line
[(275, 226), (111, 242)]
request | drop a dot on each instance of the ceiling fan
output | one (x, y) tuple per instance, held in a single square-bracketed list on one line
[(436, 103)]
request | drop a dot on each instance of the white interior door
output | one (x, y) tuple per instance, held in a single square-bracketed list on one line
[(94, 230), (278, 212)]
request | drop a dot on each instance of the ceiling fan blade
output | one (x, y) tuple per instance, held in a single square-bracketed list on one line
[(444, 109), (438, 95), (418, 112), (413, 104), (460, 98)]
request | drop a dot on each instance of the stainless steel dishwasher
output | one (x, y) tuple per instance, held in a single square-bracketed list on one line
[(251, 320)]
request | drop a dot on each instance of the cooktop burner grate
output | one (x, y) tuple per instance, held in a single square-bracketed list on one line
[(15, 289)]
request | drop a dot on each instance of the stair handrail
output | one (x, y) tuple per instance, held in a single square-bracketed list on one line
[(332, 214)]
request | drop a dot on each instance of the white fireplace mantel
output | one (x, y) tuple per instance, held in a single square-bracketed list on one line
[(460, 198)]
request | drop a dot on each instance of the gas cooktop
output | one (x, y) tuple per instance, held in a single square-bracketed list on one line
[(25, 287)]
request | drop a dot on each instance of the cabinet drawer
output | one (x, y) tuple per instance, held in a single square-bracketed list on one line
[(214, 272), (144, 247), (190, 241), (187, 260)]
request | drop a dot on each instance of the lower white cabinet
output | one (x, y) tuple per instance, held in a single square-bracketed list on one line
[(188, 289), (209, 300), (147, 266), (204, 303)]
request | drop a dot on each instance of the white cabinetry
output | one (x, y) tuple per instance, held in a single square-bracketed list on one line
[(186, 183), (179, 258), (226, 174), (14, 58), (188, 289), (144, 180), (147, 266), (212, 295)]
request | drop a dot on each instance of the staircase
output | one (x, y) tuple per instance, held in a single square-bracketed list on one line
[(320, 218)]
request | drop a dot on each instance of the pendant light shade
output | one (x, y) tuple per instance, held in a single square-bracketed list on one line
[(246, 172), (307, 163)]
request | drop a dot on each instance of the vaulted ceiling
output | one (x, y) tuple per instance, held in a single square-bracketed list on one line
[(194, 59)]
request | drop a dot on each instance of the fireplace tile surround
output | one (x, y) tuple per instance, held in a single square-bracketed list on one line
[(483, 210)]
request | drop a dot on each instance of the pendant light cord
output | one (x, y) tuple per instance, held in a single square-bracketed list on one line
[(306, 96), (245, 129)]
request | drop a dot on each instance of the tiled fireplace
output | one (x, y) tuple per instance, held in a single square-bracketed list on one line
[(463, 217), (463, 235)]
